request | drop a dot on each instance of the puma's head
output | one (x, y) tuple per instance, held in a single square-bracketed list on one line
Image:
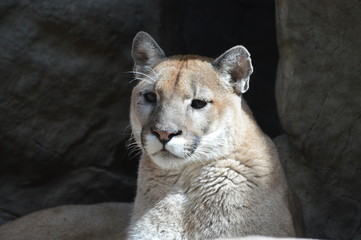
[(184, 108)]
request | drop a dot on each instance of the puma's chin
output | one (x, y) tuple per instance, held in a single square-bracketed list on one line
[(167, 160)]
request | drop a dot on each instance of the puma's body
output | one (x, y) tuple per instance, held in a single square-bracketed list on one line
[(233, 196), (207, 170)]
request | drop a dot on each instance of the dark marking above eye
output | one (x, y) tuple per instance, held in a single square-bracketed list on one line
[(198, 103), (150, 97)]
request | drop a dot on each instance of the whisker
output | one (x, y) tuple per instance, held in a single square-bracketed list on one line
[(133, 147), (141, 79), (135, 156), (154, 72), (143, 74)]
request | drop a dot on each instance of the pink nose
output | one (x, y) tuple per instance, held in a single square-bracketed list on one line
[(165, 136)]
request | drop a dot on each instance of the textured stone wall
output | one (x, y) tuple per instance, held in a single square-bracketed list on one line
[(319, 103), (64, 90), (64, 96)]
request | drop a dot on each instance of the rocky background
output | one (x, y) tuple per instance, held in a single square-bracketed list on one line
[(64, 96), (64, 88), (319, 103)]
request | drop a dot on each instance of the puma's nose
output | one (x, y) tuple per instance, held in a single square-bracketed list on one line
[(165, 135)]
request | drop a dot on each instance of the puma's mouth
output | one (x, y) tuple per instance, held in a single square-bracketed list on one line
[(164, 153), (174, 153)]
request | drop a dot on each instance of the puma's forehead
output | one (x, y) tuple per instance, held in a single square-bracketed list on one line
[(188, 74)]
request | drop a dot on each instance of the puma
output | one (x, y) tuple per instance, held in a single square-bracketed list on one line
[(207, 170)]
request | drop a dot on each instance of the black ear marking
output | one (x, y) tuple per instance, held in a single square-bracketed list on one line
[(236, 65), (145, 51)]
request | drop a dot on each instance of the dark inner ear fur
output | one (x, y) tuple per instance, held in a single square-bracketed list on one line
[(145, 51), (237, 72), (236, 63), (141, 57)]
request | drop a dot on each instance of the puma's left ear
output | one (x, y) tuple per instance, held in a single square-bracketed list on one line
[(145, 52), (236, 66)]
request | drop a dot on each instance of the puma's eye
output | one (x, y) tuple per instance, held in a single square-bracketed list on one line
[(198, 104), (150, 97)]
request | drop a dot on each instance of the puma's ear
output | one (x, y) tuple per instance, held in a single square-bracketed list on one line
[(236, 66), (145, 51)]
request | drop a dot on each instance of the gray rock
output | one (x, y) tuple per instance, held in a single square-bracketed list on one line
[(326, 214), (260, 238), (318, 95), (64, 97), (104, 221)]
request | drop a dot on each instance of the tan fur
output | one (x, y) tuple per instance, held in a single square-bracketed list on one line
[(236, 187)]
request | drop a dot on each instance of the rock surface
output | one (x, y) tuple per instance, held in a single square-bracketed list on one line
[(319, 102), (103, 221), (260, 238), (64, 96)]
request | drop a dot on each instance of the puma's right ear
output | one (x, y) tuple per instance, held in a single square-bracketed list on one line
[(236, 66), (145, 52)]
